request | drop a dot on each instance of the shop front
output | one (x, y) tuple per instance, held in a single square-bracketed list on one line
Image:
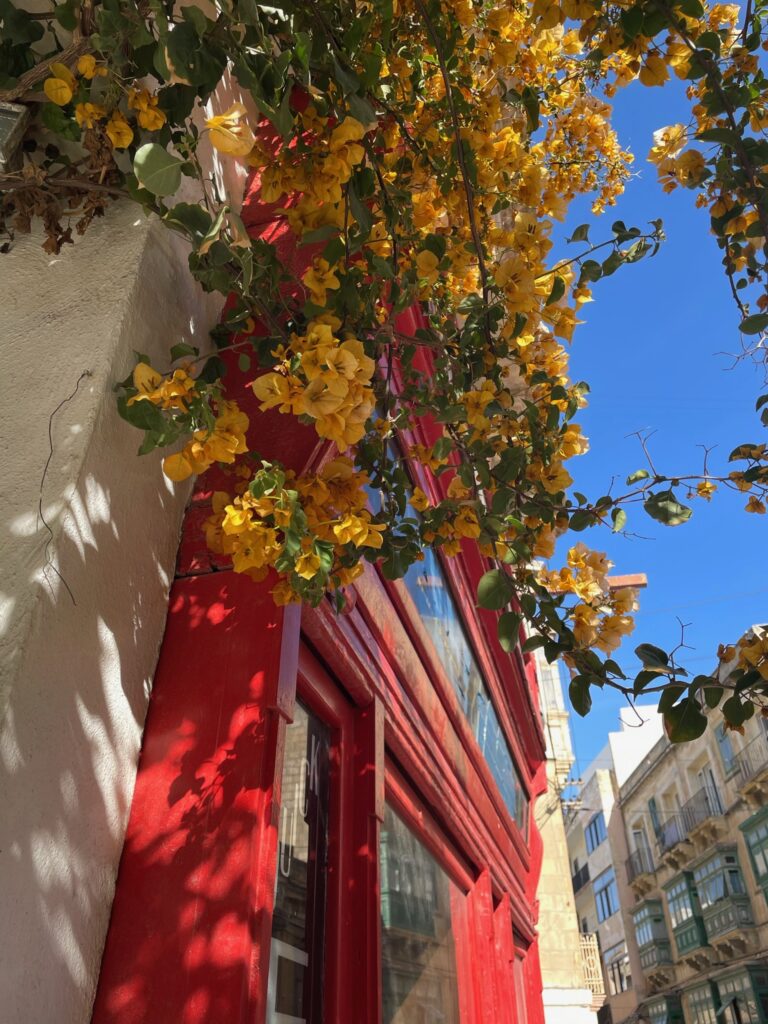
[(332, 816)]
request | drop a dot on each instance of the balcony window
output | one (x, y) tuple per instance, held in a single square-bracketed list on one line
[(755, 831), (617, 969), (595, 832), (681, 901), (606, 895), (650, 927), (718, 878), (685, 914), (701, 1006)]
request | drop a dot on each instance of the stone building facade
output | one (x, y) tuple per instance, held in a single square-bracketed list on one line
[(697, 831)]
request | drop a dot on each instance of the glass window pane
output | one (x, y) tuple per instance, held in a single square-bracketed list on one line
[(298, 922), (428, 587), (417, 949)]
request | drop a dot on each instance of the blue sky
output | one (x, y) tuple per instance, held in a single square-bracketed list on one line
[(650, 350)]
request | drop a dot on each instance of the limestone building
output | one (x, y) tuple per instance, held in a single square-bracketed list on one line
[(697, 832), (570, 969), (597, 849)]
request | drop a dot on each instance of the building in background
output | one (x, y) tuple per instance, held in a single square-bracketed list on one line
[(570, 965), (696, 819), (597, 850)]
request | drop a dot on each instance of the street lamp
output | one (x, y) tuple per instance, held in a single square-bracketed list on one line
[(13, 121)]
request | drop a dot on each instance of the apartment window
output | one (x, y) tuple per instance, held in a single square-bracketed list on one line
[(680, 901), (606, 895), (617, 969), (718, 878), (649, 923), (595, 833), (701, 1006), (725, 746), (755, 831)]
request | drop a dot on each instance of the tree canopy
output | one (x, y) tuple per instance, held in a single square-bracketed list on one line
[(420, 152)]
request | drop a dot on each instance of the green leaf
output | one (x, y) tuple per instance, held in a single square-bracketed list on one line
[(640, 474), (670, 697), (664, 507), (754, 324), (581, 234), (578, 691), (360, 211), (558, 290), (534, 642), (713, 695), (652, 656), (736, 712), (531, 104), (494, 590), (723, 135), (156, 170), (182, 349), (508, 629), (685, 721), (643, 679), (361, 109), (619, 517)]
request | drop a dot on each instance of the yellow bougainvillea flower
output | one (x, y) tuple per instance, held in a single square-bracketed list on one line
[(307, 566), (147, 113), (319, 279), (706, 489), (230, 132), (88, 68), (118, 130), (654, 70), (419, 500), (755, 505), (59, 90), (668, 142), (426, 265), (146, 380), (88, 115)]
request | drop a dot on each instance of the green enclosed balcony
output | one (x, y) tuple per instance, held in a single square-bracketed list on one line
[(685, 915), (653, 942), (725, 907), (664, 1010), (755, 831)]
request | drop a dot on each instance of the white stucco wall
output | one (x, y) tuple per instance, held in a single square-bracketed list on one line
[(75, 676), (568, 1006)]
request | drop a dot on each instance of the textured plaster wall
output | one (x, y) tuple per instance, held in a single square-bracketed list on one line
[(75, 672)]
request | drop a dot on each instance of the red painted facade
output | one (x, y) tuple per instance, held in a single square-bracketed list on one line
[(192, 922)]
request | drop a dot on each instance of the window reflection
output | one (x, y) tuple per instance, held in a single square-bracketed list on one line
[(298, 922), (437, 609), (417, 950)]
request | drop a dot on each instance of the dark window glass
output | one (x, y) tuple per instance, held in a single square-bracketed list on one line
[(418, 960), (298, 923)]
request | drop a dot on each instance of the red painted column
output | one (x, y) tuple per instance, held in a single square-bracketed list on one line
[(191, 916)]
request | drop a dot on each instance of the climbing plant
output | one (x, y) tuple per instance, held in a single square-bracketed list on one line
[(419, 152)]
